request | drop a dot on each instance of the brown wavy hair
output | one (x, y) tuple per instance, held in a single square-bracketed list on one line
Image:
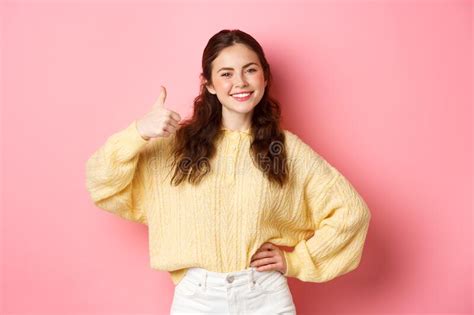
[(195, 139)]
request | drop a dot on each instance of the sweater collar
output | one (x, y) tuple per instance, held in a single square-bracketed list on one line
[(242, 132)]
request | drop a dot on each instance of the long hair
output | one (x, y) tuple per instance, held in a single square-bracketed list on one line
[(195, 139)]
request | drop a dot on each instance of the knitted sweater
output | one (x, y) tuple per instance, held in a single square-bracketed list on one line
[(221, 222)]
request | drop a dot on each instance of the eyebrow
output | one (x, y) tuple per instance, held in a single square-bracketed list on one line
[(227, 68)]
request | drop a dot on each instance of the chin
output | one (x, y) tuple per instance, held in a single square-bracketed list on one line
[(244, 108), (240, 110)]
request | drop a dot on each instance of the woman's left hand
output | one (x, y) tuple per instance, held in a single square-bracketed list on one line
[(269, 257)]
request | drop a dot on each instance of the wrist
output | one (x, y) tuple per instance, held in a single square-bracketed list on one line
[(139, 132)]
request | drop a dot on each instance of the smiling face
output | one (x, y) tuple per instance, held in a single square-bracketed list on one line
[(237, 69)]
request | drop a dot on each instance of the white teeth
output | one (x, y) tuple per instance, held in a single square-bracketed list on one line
[(242, 94)]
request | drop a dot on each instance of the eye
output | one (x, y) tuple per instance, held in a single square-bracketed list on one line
[(227, 74)]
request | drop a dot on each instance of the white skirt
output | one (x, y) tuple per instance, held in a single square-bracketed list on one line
[(243, 292)]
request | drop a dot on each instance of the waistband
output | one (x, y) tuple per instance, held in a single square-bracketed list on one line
[(236, 278)]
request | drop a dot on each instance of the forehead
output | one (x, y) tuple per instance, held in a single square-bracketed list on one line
[(235, 56)]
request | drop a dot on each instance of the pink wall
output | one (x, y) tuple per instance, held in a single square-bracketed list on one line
[(381, 89)]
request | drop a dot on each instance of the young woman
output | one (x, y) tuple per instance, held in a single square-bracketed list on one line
[(221, 191)]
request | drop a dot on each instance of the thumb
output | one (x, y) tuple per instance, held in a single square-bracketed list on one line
[(161, 98)]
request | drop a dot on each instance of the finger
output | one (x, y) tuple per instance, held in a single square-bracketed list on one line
[(175, 116), (262, 254), (268, 267), (172, 122), (161, 98), (262, 248), (263, 261), (166, 132), (169, 128), (267, 246)]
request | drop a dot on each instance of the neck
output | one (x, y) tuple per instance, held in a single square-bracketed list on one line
[(236, 124)]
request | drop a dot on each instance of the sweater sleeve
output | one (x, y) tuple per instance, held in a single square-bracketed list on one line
[(116, 175), (340, 218)]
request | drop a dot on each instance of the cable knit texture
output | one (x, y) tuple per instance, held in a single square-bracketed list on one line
[(221, 222)]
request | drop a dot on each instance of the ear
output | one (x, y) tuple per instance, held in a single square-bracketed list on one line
[(210, 88)]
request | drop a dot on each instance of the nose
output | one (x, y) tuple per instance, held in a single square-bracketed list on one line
[(240, 80)]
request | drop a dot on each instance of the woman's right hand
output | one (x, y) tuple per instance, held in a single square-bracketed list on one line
[(159, 122)]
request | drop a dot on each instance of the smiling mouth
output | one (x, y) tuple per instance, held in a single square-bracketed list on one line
[(243, 92), (241, 97)]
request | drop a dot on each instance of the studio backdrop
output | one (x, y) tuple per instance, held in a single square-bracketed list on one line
[(381, 89)]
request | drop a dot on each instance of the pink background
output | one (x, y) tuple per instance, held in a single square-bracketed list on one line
[(381, 89)]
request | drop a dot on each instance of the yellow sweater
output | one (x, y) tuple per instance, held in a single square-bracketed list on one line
[(220, 223)]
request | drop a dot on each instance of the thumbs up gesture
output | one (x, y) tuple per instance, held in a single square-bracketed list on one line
[(160, 121)]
